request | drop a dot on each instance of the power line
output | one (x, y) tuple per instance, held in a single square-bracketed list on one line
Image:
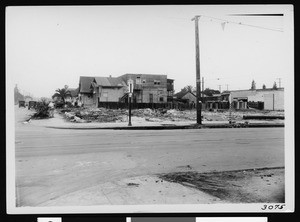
[(240, 23)]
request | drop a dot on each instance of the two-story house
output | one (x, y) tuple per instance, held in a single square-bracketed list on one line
[(148, 88)]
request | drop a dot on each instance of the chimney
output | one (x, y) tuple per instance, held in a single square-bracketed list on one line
[(109, 76)]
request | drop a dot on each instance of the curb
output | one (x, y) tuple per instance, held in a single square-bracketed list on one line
[(171, 127)]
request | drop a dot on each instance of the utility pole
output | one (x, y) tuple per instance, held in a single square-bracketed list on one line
[(198, 86), (220, 88), (227, 86)]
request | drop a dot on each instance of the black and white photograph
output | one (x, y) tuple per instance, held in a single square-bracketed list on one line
[(149, 108)]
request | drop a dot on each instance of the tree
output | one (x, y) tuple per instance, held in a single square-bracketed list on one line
[(188, 88), (62, 93), (264, 86), (45, 100), (42, 110), (210, 92), (274, 86), (253, 85), (18, 96)]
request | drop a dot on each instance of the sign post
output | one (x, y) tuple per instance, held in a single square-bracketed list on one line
[(130, 90)]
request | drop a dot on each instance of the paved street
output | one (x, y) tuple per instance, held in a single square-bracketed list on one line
[(52, 162)]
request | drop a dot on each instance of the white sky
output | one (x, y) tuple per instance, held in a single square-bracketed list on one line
[(49, 47)]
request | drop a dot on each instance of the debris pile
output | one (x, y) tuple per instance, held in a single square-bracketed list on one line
[(155, 115), (83, 115)]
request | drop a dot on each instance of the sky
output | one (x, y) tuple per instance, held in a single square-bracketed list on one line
[(48, 47)]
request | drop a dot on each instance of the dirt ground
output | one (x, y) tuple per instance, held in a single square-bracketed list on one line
[(242, 186), (157, 115)]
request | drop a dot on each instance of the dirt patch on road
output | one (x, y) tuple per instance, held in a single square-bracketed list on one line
[(244, 186)]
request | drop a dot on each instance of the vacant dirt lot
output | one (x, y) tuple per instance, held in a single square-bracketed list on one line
[(157, 115)]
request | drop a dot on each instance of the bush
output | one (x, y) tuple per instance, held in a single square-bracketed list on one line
[(59, 104), (69, 105), (42, 110)]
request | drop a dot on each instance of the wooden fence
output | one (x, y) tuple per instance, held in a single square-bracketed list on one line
[(119, 105)]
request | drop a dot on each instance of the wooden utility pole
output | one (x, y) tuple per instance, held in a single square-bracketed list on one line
[(198, 86)]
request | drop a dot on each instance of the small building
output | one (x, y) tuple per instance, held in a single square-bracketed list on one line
[(216, 101), (107, 89), (272, 99), (186, 97)]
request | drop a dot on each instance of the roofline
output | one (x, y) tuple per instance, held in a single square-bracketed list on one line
[(268, 89), (87, 76), (145, 74)]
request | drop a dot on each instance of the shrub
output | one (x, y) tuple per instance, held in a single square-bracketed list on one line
[(69, 105), (42, 110)]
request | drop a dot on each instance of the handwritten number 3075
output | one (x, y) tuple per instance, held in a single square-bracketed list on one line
[(273, 207)]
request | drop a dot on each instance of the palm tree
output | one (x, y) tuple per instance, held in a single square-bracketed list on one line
[(62, 93), (274, 86), (253, 85)]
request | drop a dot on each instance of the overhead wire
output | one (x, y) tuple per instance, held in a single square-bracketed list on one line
[(240, 23), (227, 21)]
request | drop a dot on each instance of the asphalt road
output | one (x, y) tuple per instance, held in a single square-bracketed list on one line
[(54, 162)]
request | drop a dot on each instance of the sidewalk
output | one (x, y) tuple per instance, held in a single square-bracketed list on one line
[(58, 122)]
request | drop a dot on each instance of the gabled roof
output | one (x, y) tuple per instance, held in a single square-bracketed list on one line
[(85, 83), (253, 90), (109, 81), (181, 94)]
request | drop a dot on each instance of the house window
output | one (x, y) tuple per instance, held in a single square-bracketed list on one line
[(138, 80), (161, 99), (156, 82)]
